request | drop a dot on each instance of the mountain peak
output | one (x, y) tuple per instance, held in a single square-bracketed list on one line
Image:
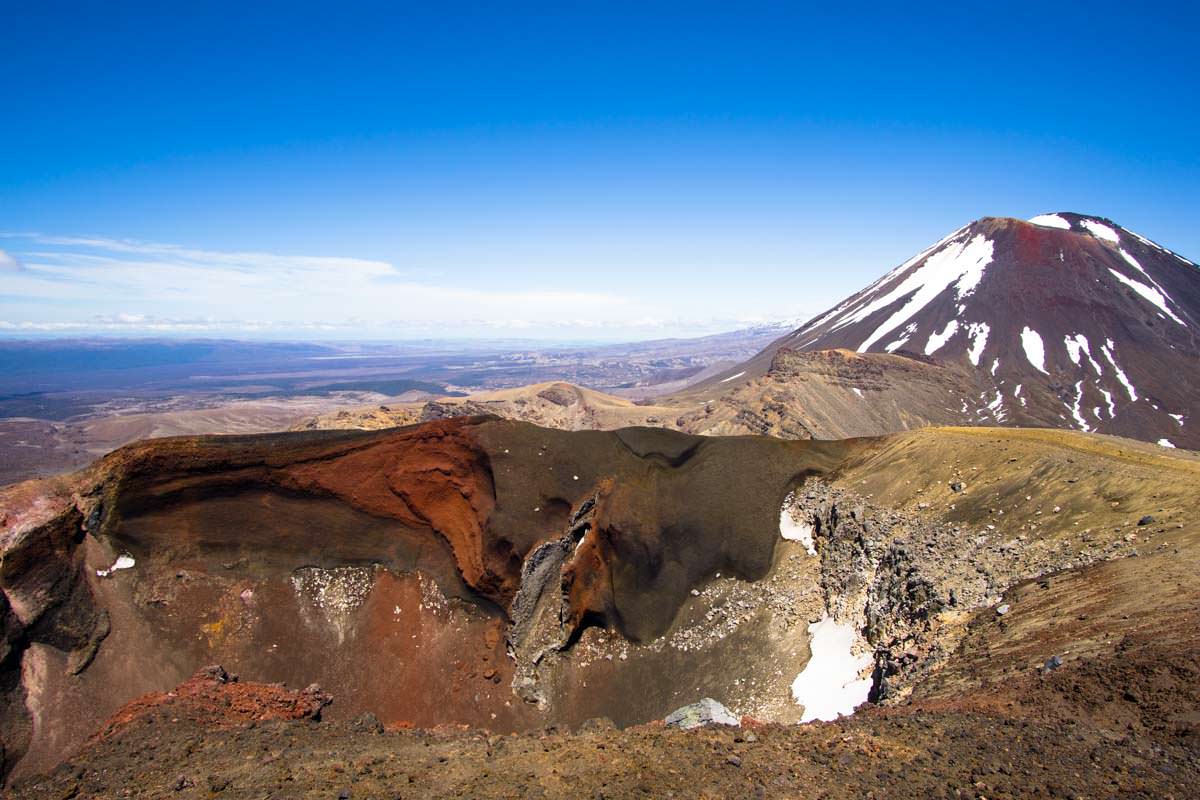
[(1070, 320)]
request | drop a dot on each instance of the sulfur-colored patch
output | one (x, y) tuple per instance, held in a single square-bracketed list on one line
[(214, 632)]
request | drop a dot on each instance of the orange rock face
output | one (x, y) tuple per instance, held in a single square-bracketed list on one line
[(434, 476)]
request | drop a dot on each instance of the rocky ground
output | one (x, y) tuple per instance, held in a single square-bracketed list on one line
[(1104, 727)]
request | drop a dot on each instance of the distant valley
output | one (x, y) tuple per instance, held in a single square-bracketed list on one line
[(64, 403)]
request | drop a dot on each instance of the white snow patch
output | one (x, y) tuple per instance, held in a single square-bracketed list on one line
[(978, 332), (830, 684), (858, 391), (1051, 221), (1149, 293), (903, 340), (1133, 262), (733, 377), (124, 561), (997, 407), (1107, 351), (1078, 344), (792, 529), (936, 340), (1161, 443), (1072, 350), (1083, 425), (961, 264), (862, 297), (1101, 231), (1035, 350), (1177, 417), (1108, 398)]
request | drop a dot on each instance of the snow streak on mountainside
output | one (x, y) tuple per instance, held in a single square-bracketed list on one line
[(1070, 320)]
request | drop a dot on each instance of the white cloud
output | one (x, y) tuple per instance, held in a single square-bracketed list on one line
[(73, 283), (121, 283)]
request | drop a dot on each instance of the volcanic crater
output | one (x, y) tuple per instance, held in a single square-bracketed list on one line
[(503, 577)]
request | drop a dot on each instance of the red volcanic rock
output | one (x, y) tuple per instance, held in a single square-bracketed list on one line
[(433, 476), (586, 580), (214, 698)]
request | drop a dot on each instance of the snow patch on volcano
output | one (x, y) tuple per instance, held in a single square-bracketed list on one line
[(1152, 294), (793, 529), (1075, 411), (978, 333), (1101, 231), (996, 407), (958, 264), (1107, 350), (830, 684), (1108, 398), (1051, 221), (1035, 349), (936, 340), (1077, 345), (903, 340)]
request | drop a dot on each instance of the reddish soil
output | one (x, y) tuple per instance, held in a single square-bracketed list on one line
[(1120, 726), (215, 699)]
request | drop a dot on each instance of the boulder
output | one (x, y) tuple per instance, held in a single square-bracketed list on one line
[(704, 712)]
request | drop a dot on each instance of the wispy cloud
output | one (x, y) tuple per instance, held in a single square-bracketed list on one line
[(65, 284), (96, 283)]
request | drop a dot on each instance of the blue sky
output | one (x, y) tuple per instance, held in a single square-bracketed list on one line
[(560, 171)]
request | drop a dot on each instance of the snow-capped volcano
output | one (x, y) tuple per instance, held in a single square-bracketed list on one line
[(1068, 320)]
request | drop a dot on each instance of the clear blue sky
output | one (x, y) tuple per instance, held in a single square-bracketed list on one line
[(558, 170)]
